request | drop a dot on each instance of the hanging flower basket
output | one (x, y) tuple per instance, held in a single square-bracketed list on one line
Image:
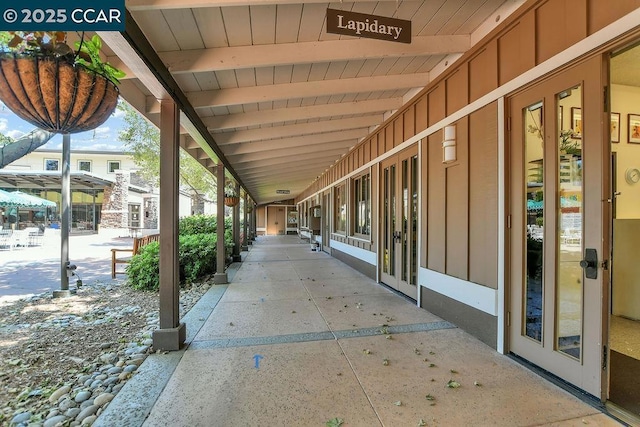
[(231, 200), (54, 94)]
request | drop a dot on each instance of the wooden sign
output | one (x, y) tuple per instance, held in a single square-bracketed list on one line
[(368, 26)]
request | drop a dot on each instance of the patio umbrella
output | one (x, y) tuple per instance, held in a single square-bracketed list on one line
[(32, 201), (18, 199)]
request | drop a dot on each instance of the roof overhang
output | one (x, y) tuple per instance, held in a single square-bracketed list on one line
[(53, 180)]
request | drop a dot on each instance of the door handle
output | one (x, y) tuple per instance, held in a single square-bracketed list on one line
[(590, 263), (396, 236)]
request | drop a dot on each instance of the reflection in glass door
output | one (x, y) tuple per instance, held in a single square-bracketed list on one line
[(399, 225)]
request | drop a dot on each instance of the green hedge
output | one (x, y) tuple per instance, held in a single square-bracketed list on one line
[(203, 224), (196, 253)]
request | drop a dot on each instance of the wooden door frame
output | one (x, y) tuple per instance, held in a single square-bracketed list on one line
[(591, 77)]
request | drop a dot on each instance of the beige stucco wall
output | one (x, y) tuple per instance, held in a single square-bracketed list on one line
[(626, 100)]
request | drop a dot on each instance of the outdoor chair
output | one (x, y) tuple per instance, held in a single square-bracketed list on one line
[(6, 240)]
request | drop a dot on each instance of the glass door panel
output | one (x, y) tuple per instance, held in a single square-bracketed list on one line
[(569, 212), (534, 224), (388, 220)]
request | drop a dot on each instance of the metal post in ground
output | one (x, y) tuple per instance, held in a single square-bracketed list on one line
[(65, 217)]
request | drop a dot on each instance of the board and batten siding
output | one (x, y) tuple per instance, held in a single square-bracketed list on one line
[(459, 205)]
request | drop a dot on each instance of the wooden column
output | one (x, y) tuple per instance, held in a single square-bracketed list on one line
[(245, 216), (236, 229), (221, 275), (172, 333), (254, 222)]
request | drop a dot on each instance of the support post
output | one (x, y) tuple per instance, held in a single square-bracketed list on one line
[(254, 222), (236, 229), (221, 275), (65, 217), (172, 333), (245, 219)]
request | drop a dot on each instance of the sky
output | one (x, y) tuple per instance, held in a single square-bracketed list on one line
[(102, 138)]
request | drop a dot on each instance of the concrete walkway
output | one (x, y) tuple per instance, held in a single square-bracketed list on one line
[(26, 271), (299, 338)]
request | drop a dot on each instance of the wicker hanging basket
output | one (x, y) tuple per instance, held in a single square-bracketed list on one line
[(54, 94), (231, 200)]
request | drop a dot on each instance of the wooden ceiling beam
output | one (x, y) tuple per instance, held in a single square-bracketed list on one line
[(346, 137), (274, 55), (313, 89), (280, 115), (278, 132), (297, 156)]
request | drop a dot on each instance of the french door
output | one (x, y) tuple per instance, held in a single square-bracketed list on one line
[(326, 222), (557, 208), (399, 223)]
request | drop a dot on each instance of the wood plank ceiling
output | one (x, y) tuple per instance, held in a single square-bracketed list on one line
[(282, 98)]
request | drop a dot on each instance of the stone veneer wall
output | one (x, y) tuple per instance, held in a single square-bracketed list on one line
[(197, 204), (115, 205), (151, 212)]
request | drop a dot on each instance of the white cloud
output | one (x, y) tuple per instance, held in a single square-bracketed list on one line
[(102, 130), (4, 124), (117, 113), (15, 134), (102, 147)]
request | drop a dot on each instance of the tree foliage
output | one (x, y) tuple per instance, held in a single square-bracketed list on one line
[(5, 140), (142, 139)]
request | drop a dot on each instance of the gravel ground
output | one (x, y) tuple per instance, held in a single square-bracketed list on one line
[(63, 360)]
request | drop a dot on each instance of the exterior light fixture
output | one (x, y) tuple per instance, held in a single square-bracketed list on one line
[(449, 144)]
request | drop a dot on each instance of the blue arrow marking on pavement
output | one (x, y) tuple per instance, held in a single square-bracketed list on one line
[(257, 358)]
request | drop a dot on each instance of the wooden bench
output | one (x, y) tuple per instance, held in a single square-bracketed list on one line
[(138, 242)]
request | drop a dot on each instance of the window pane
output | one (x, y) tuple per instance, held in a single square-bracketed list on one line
[(113, 166), (340, 208), (414, 221), (51, 165), (405, 218), (570, 214), (362, 205), (534, 191)]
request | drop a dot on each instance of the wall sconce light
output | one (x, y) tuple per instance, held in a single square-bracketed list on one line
[(449, 144)]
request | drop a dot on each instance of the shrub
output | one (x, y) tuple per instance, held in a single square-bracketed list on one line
[(196, 254), (197, 224), (144, 269)]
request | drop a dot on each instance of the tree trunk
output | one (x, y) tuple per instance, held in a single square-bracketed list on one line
[(23, 146)]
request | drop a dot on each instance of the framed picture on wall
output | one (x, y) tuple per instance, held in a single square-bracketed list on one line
[(576, 122), (615, 127), (634, 128), (560, 118)]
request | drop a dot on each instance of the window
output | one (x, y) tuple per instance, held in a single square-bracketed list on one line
[(51, 164), (362, 205), (84, 165), (340, 208), (113, 166)]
